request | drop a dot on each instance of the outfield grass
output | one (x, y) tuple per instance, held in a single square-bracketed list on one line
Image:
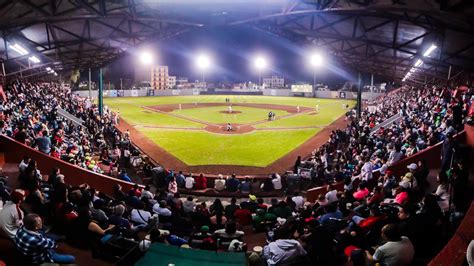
[(213, 115), (258, 148)]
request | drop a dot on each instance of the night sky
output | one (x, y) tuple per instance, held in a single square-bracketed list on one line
[(232, 50)]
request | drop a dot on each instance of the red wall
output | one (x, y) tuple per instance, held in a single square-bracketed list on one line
[(14, 152)]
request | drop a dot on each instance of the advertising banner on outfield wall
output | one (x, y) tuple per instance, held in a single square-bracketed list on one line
[(134, 93), (175, 92), (196, 92)]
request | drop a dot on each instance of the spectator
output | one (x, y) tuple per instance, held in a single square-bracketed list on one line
[(180, 179), (201, 182), (189, 182), (246, 185), (161, 209), (219, 183), (283, 251), (35, 246), (189, 205), (231, 208), (276, 181), (11, 216), (230, 231), (232, 184), (124, 176), (397, 251), (173, 185)]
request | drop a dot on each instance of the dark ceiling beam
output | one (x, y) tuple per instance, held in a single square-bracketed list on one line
[(36, 8), (85, 4)]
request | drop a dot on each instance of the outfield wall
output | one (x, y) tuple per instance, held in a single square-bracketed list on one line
[(266, 92)]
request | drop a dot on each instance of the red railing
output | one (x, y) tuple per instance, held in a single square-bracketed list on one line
[(13, 152)]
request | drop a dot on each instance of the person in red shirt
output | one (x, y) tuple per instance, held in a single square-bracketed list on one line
[(201, 182), (243, 216)]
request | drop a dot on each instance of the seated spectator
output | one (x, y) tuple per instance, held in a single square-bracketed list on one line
[(217, 213), (189, 205), (219, 183), (117, 219), (232, 184), (276, 181), (11, 216), (246, 185), (180, 179), (124, 176), (189, 182), (36, 247), (263, 219), (173, 185), (442, 191), (230, 231), (230, 209), (146, 193), (255, 186), (330, 212), (283, 251), (361, 192), (139, 216), (398, 250), (161, 209), (267, 184), (243, 216), (201, 182), (298, 200)]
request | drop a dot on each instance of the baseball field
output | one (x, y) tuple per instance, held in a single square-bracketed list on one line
[(194, 129)]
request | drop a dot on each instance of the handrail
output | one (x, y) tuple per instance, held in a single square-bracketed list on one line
[(15, 151)]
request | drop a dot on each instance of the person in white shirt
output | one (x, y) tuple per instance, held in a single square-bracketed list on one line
[(146, 193), (298, 200), (219, 183), (11, 216), (189, 182), (189, 205), (277, 182), (24, 164), (366, 170), (161, 210), (331, 195)]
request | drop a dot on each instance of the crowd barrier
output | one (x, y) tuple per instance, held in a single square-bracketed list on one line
[(13, 152)]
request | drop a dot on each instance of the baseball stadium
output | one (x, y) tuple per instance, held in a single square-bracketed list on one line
[(244, 132)]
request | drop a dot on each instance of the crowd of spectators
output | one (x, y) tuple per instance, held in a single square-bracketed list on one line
[(340, 227)]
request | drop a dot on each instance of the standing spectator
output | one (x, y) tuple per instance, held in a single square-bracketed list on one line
[(35, 246), (173, 185), (276, 181)]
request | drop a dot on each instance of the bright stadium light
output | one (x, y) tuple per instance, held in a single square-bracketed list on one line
[(34, 59), (430, 50), (19, 49), (260, 63), (203, 63), (316, 60), (418, 63), (146, 58), (48, 69)]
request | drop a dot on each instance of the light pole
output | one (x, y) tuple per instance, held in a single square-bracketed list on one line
[(203, 62), (316, 61), (260, 64)]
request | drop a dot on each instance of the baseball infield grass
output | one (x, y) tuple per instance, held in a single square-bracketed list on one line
[(260, 147)]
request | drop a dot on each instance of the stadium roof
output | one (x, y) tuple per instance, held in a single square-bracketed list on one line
[(384, 37)]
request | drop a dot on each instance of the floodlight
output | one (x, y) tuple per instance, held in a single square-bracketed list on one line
[(56, 74), (430, 50), (146, 58), (34, 59), (48, 69), (418, 63), (17, 48), (260, 62), (316, 60), (203, 61)]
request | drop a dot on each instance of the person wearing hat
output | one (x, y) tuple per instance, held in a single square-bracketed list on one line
[(11, 216)]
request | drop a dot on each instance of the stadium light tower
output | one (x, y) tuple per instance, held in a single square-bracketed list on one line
[(316, 61), (203, 62), (260, 63), (146, 58)]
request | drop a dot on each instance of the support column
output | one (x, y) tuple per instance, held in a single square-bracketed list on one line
[(90, 85), (101, 92), (359, 97)]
